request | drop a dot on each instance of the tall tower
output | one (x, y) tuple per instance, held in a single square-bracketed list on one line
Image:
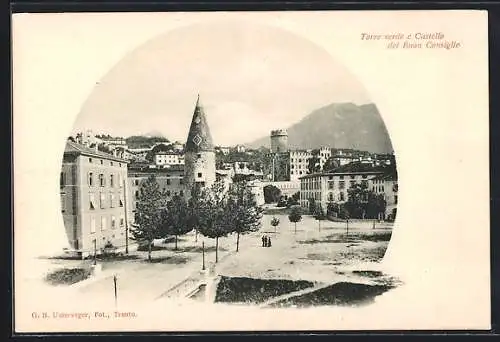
[(199, 159), (279, 141)]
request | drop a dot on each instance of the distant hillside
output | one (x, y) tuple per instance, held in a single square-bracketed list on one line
[(339, 125), (140, 141)]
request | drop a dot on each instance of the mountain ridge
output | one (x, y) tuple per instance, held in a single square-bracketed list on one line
[(339, 125)]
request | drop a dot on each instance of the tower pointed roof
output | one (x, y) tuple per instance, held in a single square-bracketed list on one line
[(199, 137)]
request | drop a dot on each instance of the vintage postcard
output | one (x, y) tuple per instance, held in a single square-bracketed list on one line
[(255, 171)]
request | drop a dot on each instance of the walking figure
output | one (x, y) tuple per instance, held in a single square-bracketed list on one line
[(263, 241), (268, 242)]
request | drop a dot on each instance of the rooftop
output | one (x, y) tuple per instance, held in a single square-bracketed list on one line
[(389, 176), (74, 148), (144, 167), (354, 168), (199, 137)]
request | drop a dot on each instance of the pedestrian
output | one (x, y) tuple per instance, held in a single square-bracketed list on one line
[(268, 242), (263, 241)]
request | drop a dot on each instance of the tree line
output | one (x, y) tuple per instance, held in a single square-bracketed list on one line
[(214, 212)]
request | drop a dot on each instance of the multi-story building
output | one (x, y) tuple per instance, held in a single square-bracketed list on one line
[(387, 186), (178, 147), (325, 187), (170, 180), (324, 154), (240, 148), (224, 150), (113, 143), (93, 199), (168, 158), (299, 163)]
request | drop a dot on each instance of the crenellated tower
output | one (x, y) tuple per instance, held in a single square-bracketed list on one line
[(279, 141)]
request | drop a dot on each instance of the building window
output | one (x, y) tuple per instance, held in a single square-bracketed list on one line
[(364, 183), (90, 160), (121, 200), (199, 155), (137, 194), (353, 176), (330, 196), (168, 181), (352, 183), (103, 223), (168, 192), (92, 224), (62, 180), (182, 193), (111, 163), (111, 181), (113, 222), (341, 185), (102, 181), (342, 196), (331, 185), (136, 182), (364, 176), (102, 200), (199, 174), (122, 222), (111, 200), (102, 162), (91, 179), (395, 199), (181, 181), (341, 177), (91, 201)]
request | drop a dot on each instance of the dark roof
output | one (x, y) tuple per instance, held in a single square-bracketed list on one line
[(354, 168), (199, 137), (144, 167), (389, 176), (74, 148), (358, 167)]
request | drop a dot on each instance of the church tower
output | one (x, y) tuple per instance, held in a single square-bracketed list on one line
[(199, 159)]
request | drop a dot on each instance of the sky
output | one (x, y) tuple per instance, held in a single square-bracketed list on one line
[(250, 78)]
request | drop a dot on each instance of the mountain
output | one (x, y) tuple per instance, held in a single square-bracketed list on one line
[(339, 125), (143, 141)]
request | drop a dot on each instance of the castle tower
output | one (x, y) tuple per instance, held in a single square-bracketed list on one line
[(279, 141), (199, 159)]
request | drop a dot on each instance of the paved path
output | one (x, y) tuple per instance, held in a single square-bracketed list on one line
[(177, 273)]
